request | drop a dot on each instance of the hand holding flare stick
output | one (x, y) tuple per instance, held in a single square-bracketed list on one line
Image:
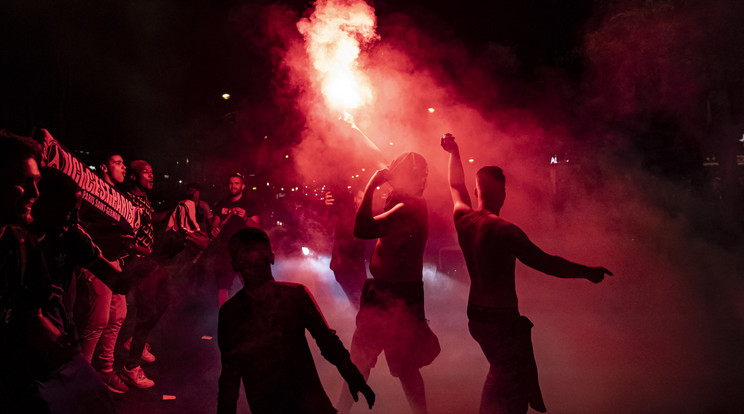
[(349, 119)]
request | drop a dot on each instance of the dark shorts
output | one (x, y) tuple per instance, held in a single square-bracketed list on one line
[(391, 318), (506, 341)]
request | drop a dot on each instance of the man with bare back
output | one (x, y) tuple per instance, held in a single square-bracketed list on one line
[(491, 246)]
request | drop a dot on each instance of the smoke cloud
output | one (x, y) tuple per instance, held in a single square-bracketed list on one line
[(657, 92), (644, 341)]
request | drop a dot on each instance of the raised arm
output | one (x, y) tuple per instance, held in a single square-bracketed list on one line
[(534, 257), (366, 225), (458, 189)]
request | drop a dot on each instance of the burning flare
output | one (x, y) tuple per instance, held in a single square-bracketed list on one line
[(334, 35)]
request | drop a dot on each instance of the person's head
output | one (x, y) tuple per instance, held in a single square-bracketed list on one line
[(113, 169), (236, 184), (140, 173), (490, 188), (19, 174), (58, 203), (408, 173), (193, 192), (251, 255)]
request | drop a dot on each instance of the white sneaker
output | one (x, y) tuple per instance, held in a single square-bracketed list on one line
[(137, 378), (146, 356)]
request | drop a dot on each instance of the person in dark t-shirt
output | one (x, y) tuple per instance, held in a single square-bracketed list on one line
[(231, 214), (261, 335)]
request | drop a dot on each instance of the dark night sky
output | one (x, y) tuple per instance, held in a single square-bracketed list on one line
[(143, 75)]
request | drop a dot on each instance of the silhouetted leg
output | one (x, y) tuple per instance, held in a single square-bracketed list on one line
[(413, 387), (504, 389)]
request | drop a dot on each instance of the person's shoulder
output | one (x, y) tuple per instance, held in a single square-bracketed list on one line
[(232, 304), (290, 287)]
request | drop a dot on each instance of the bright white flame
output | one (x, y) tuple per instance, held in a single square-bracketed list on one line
[(431, 110), (225, 96), (334, 35), (305, 251)]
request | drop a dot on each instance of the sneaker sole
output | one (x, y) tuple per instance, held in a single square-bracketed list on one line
[(131, 382), (116, 391)]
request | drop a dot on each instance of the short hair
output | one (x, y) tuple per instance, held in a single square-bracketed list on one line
[(493, 172), (106, 159), (193, 186), (247, 238), (238, 175), (14, 148), (136, 166)]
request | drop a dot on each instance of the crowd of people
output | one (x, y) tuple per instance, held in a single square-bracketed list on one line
[(66, 273)]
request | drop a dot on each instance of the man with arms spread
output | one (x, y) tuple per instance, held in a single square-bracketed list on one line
[(230, 215), (391, 317), (261, 335), (491, 246)]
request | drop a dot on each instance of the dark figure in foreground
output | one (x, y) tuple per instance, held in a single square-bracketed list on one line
[(391, 317), (491, 246), (261, 336), (42, 370)]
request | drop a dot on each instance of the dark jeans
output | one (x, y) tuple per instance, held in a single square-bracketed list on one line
[(151, 299)]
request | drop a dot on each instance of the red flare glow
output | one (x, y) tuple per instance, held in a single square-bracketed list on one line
[(334, 35)]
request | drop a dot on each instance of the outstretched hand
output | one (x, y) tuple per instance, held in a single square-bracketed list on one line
[(369, 395), (597, 274), (448, 143)]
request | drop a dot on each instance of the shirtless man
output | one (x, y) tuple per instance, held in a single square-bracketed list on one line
[(491, 246), (391, 317)]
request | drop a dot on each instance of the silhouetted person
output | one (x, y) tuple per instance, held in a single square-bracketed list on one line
[(231, 214), (42, 371), (261, 336), (491, 246), (391, 317), (347, 257)]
